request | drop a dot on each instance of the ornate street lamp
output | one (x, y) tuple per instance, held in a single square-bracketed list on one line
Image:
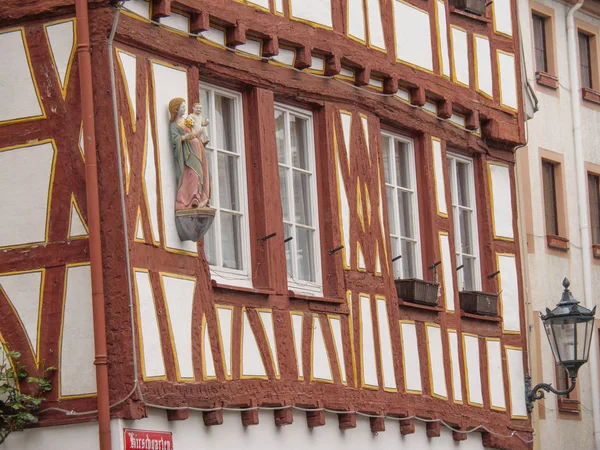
[(569, 328)]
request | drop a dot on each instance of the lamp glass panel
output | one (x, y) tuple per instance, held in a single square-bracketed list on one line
[(565, 333), (550, 334)]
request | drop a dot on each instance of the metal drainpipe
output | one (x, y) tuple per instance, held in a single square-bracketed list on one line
[(93, 212), (580, 175)]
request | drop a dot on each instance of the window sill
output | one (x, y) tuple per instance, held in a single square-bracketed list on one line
[(249, 290), (590, 95), (596, 251), (568, 405), (322, 304), (557, 242), (460, 12), (330, 300), (436, 309), (493, 319), (546, 80)]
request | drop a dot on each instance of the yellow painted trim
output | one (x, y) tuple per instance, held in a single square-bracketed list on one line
[(476, 68), (365, 26), (50, 186), (358, 253), (175, 30), (489, 176), (469, 402), (170, 325), (364, 385), (351, 329), (274, 358), (510, 255), (377, 88), (452, 60), (315, 71), (250, 55), (138, 222), (439, 40), (154, 242), (512, 347), (312, 348), (159, 195), (377, 299), (307, 22), (132, 113), (359, 205), (441, 281), (36, 354), (450, 331), (127, 160), (33, 80), (207, 41), (221, 348), (414, 66), (368, 203), (139, 329), (344, 112), (368, 28), (500, 33), (339, 176), (408, 391), (435, 181), (60, 335), (298, 365), (378, 273), (137, 16), (365, 131), (342, 370), (433, 325), (289, 48), (63, 89), (344, 77), (242, 376), (204, 329), (254, 5), (78, 211), (492, 407), (502, 105)]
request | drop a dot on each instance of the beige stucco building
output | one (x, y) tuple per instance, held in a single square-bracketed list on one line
[(558, 174)]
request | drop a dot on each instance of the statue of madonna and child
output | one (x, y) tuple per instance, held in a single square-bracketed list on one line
[(193, 214)]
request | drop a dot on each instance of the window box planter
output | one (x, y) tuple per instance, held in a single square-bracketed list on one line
[(417, 291), (480, 303)]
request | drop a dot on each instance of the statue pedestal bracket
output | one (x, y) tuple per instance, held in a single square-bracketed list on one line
[(192, 224)]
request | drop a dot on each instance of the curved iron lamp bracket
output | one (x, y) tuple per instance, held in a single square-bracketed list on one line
[(537, 392)]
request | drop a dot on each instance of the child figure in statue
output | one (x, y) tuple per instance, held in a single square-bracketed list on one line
[(193, 184), (199, 124)]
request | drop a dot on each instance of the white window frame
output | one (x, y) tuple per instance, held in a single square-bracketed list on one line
[(220, 274), (304, 287), (395, 234), (453, 158)]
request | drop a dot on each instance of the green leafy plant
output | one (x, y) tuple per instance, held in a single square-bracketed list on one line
[(17, 410)]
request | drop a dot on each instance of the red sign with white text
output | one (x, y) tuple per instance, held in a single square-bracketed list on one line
[(147, 440)]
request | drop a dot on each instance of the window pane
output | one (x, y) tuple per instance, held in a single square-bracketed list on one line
[(594, 186), (396, 251), (280, 136), (549, 184), (387, 162), (402, 166), (584, 61), (408, 260), (539, 43), (306, 257), (211, 171), (462, 173), (406, 216), (210, 246), (204, 96), (298, 138), (224, 119), (228, 182), (289, 248), (302, 198), (389, 193), (230, 240), (283, 189), (468, 273), (466, 233)]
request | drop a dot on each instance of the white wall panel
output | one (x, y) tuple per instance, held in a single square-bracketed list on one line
[(455, 363), (260, 3), (77, 227), (285, 56), (508, 79), (413, 35), (344, 212), (208, 363), (509, 293), (320, 365), (438, 169), (443, 38), (153, 365), (356, 19), (447, 272), (367, 343), (150, 183), (437, 372), (177, 21), (385, 342), (501, 201), (139, 7), (26, 174), (252, 363), (336, 331), (61, 39), (169, 83), (225, 321), (514, 364), (266, 319), (472, 368), (179, 300), (215, 35), (483, 63), (376, 36), (315, 12), (460, 55), (76, 361), (128, 65), (410, 357), (297, 322), (502, 17), (252, 47), (18, 90), (495, 374)]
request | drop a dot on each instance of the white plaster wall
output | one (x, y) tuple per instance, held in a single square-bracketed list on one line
[(551, 128), (64, 437), (336, 331), (61, 38), (313, 11), (320, 366), (356, 19), (367, 343), (385, 342), (410, 355), (252, 363), (460, 55), (413, 35)]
